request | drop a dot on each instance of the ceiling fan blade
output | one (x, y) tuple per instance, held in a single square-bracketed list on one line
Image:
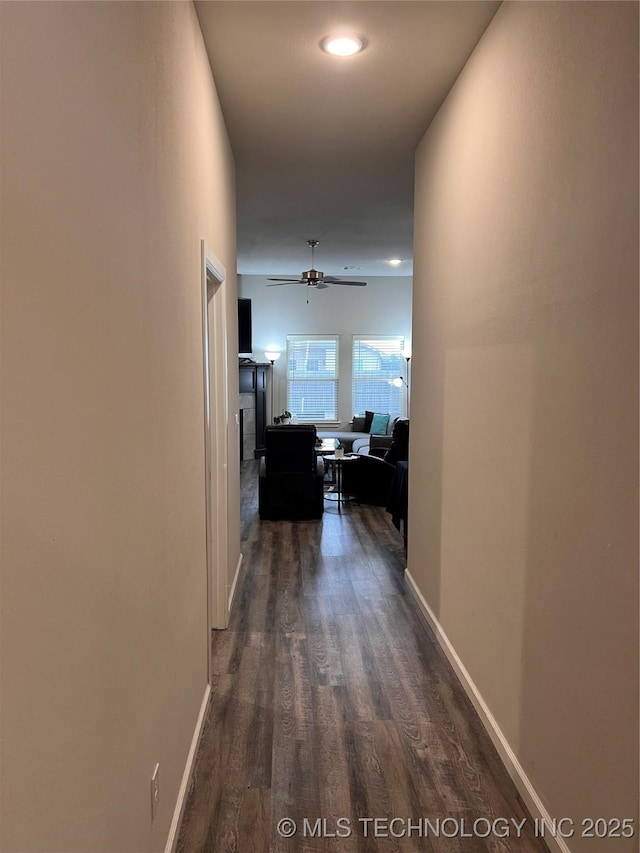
[(286, 279), (280, 283), (345, 281)]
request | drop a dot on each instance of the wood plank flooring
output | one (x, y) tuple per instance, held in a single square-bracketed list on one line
[(331, 700)]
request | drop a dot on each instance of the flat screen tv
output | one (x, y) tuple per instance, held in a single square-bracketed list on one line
[(244, 327)]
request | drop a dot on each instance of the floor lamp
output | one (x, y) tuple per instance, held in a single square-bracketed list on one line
[(406, 353), (407, 383), (399, 381), (273, 356)]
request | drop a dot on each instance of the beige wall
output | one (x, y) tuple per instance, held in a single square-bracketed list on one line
[(115, 163), (523, 525)]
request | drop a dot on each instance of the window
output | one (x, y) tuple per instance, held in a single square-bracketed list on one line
[(312, 377), (376, 361)]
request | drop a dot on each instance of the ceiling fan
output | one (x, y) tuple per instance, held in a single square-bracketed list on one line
[(315, 278)]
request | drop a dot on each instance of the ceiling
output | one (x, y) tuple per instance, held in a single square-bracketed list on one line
[(324, 145)]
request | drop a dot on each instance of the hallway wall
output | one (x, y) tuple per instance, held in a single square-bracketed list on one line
[(524, 507), (115, 163)]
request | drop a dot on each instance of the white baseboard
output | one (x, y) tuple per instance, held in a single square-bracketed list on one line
[(232, 591), (174, 830), (507, 755)]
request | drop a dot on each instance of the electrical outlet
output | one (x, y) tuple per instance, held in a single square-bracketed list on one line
[(155, 791)]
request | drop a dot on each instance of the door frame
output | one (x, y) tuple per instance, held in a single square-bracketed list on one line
[(216, 418)]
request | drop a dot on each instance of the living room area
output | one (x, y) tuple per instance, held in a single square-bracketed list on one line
[(338, 321), (337, 358)]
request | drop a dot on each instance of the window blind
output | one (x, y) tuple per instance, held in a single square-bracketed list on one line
[(376, 361), (312, 377)]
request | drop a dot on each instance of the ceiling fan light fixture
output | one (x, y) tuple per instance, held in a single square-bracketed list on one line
[(342, 45), (313, 277), (394, 262)]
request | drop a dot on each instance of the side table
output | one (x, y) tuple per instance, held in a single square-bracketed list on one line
[(337, 462)]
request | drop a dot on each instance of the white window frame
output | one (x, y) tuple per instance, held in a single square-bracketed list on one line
[(356, 339), (336, 380)]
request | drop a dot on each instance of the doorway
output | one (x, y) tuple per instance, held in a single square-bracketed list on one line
[(216, 410)]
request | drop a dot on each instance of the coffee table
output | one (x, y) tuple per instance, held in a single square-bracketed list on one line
[(328, 446)]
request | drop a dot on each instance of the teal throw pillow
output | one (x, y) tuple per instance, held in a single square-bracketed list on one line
[(379, 424)]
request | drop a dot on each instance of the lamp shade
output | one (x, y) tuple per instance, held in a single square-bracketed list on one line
[(272, 355)]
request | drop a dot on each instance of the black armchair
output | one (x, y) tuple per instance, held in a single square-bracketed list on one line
[(291, 484), (369, 478)]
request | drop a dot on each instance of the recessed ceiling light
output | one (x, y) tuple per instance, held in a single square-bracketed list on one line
[(394, 262), (342, 45)]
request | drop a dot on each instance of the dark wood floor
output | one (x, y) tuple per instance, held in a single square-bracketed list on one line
[(332, 700)]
